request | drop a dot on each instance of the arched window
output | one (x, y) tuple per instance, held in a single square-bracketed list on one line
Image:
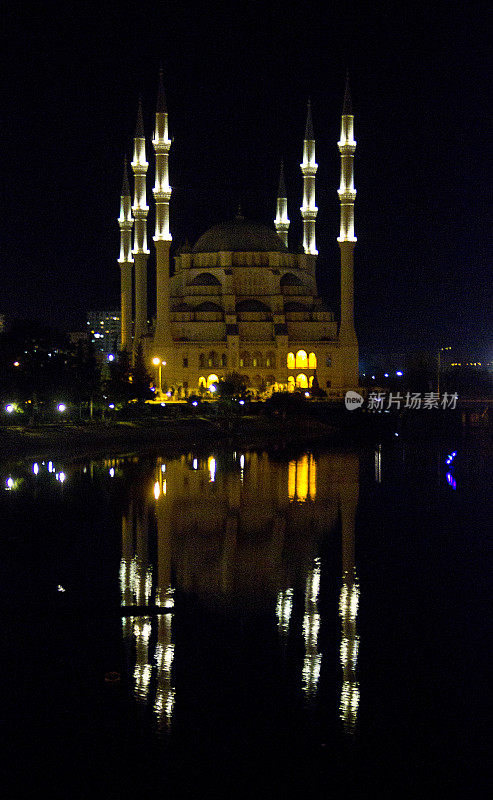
[(212, 359), (310, 381), (301, 381), (244, 359), (312, 361), (224, 360), (202, 381), (328, 361), (257, 360), (270, 360), (201, 360), (212, 379), (291, 363), (301, 360), (290, 384)]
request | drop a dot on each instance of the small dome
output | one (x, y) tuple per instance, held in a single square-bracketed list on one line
[(240, 236)]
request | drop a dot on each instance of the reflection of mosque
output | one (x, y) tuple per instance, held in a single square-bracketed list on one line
[(233, 531)]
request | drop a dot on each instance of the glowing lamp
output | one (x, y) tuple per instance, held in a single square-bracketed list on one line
[(61, 407), (399, 373), (156, 361), (212, 388), (9, 408), (16, 364), (111, 357), (111, 405)]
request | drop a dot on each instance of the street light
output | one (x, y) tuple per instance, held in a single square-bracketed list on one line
[(158, 363)]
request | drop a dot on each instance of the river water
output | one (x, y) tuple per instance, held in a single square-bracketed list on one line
[(279, 622)]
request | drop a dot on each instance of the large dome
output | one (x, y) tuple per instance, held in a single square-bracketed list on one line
[(239, 236)]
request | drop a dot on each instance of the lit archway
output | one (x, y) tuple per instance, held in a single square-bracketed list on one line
[(301, 381), (212, 379), (301, 360), (290, 361), (312, 361), (202, 381), (290, 383)]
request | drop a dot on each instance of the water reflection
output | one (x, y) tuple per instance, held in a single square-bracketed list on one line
[(237, 531)]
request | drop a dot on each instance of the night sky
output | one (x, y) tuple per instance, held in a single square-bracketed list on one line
[(237, 79)]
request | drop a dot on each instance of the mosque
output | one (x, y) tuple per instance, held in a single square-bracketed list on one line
[(240, 299)]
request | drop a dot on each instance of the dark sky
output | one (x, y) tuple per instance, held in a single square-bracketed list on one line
[(237, 79)]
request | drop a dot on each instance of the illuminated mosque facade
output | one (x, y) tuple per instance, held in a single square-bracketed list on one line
[(241, 299)]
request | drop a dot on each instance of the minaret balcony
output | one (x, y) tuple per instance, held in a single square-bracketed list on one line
[(161, 145), (309, 169), (347, 195), (162, 195), (140, 212), (346, 148), (139, 167), (309, 212), (125, 224)]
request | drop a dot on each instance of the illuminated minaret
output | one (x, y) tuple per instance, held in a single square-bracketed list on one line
[(347, 239), (309, 169), (162, 236), (125, 221), (140, 209), (281, 221)]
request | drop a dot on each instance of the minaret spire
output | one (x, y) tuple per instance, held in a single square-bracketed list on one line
[(281, 221), (347, 106), (347, 239), (140, 210), (125, 221), (309, 169), (162, 237)]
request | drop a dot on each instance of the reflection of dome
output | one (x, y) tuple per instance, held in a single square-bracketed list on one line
[(239, 236)]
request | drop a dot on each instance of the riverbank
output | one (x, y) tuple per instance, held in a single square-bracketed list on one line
[(101, 439)]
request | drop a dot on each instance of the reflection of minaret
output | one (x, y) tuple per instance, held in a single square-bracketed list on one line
[(348, 607), (311, 625), (136, 578), (164, 653)]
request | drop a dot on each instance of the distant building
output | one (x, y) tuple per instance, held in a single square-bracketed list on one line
[(104, 331)]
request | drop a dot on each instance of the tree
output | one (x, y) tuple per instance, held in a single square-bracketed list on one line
[(232, 387), (118, 388), (141, 380)]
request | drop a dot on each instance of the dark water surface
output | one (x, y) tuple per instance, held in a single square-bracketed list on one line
[(293, 622)]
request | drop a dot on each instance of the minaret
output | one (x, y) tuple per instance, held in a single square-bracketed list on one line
[(125, 221), (281, 221), (347, 239), (140, 209), (309, 169), (162, 236)]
